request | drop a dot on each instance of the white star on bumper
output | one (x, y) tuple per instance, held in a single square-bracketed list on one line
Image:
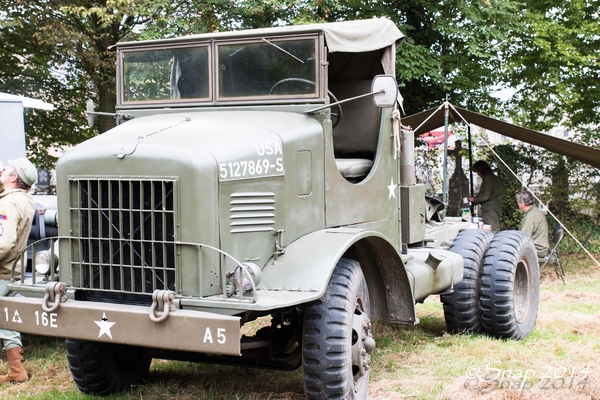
[(104, 326)]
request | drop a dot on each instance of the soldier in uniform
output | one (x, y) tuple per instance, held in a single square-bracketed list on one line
[(489, 195), (534, 222), (16, 212)]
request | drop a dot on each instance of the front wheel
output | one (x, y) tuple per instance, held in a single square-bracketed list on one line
[(337, 344), (510, 286), (104, 368)]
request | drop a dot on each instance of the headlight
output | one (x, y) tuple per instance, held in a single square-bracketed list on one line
[(246, 274), (45, 261)]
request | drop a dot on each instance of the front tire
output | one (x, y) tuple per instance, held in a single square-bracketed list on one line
[(510, 286), (337, 344), (461, 307), (104, 368)]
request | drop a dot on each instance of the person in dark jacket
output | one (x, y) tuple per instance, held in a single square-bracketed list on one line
[(489, 195)]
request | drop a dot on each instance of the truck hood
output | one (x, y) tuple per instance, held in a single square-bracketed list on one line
[(243, 143)]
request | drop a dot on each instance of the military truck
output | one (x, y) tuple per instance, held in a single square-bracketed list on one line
[(259, 174)]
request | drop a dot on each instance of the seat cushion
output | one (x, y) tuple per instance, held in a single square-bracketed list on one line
[(354, 167)]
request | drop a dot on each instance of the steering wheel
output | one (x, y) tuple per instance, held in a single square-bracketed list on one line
[(338, 115), (293, 81)]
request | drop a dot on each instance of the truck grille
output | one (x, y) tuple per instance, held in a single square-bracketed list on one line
[(126, 234)]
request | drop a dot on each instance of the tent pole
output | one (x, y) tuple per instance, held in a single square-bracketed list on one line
[(470, 167), (445, 172)]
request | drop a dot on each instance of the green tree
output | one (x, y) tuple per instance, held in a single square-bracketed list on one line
[(554, 63)]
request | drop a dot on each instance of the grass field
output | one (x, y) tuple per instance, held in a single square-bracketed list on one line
[(559, 360)]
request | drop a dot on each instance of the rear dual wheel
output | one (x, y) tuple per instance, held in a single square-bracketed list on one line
[(462, 306), (510, 286), (499, 293)]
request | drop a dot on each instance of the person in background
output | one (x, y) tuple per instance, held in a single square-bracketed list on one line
[(16, 212), (534, 222), (489, 195)]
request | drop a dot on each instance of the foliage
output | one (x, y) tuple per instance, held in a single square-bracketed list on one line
[(553, 61), (36, 73), (587, 231)]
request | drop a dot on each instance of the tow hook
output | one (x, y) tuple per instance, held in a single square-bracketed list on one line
[(56, 293), (161, 299)]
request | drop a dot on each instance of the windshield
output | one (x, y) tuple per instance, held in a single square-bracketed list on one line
[(267, 68), (180, 73), (254, 69)]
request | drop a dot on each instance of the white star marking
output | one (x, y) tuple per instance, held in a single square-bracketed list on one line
[(392, 189), (104, 326)]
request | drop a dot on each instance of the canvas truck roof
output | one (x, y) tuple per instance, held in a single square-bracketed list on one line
[(347, 36)]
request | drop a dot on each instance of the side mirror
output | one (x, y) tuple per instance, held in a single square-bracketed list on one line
[(89, 110), (385, 91)]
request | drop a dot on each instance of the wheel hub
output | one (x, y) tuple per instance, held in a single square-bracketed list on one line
[(363, 345), (521, 292)]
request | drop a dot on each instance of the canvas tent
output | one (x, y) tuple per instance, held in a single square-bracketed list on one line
[(12, 129), (433, 118)]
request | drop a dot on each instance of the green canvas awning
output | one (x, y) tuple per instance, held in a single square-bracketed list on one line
[(433, 118)]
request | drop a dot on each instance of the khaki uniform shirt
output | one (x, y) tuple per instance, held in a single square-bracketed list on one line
[(534, 224), (16, 212)]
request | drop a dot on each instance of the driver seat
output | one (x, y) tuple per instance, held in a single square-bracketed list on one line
[(356, 137)]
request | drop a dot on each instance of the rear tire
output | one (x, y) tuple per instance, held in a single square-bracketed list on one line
[(104, 368), (337, 344), (510, 286), (461, 307)]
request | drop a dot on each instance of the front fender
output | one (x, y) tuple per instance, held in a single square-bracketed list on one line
[(309, 261), (308, 264)]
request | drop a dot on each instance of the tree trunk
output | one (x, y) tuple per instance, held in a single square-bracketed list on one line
[(108, 103)]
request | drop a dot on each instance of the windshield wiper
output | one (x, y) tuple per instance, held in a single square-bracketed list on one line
[(281, 49)]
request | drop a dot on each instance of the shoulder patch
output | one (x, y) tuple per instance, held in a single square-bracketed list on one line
[(3, 215)]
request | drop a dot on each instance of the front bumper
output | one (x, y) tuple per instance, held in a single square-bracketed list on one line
[(185, 330)]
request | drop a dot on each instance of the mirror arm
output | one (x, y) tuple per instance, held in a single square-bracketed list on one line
[(103, 113), (314, 110)]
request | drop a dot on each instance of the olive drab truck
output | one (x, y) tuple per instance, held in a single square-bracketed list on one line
[(259, 173)]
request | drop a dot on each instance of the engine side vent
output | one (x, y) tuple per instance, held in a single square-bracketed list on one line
[(252, 212)]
